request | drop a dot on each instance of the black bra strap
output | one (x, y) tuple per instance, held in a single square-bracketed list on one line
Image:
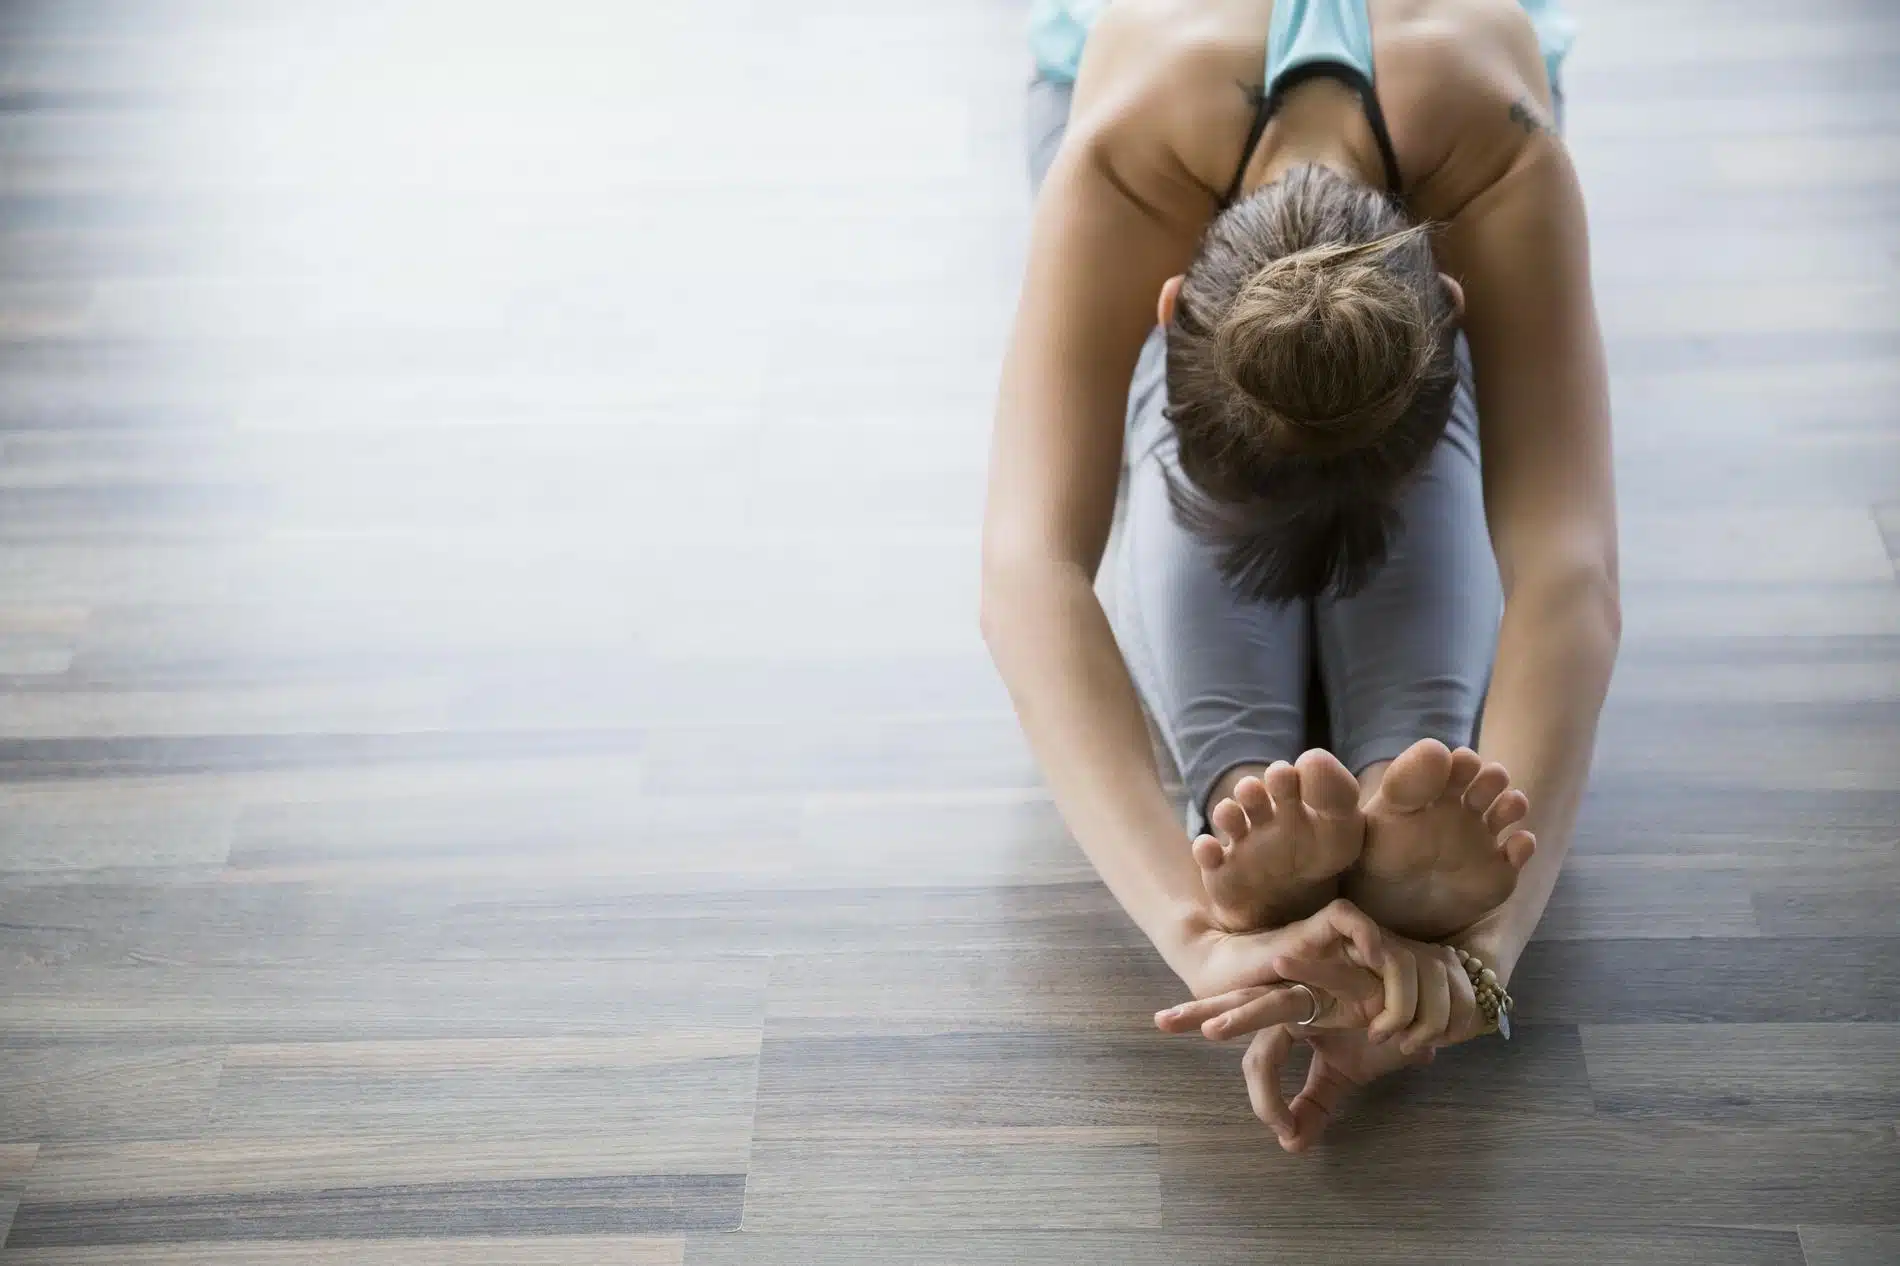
[(1266, 103), (1263, 105)]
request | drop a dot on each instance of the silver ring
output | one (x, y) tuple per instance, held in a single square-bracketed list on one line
[(1312, 1000)]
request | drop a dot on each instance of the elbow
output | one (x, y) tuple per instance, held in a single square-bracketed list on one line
[(1598, 600), (1582, 595), (1604, 595), (995, 597), (1015, 579), (989, 614)]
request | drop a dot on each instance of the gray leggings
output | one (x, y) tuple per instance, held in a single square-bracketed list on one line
[(1225, 677)]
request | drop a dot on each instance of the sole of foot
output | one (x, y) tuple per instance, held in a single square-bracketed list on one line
[(1443, 842), (1279, 842)]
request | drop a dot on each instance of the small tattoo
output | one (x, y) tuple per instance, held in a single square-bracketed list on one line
[(1525, 115)]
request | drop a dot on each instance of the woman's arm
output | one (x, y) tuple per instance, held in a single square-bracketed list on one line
[(1099, 253), (1521, 251)]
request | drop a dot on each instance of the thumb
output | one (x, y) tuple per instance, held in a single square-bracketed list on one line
[(1314, 1107), (1337, 982)]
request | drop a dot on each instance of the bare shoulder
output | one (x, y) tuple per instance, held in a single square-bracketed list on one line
[(1166, 95), (1463, 84)]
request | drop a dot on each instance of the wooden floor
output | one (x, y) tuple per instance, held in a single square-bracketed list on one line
[(496, 760)]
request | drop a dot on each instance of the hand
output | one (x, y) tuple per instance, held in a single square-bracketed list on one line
[(1435, 1005), (1339, 953), (1342, 1063)]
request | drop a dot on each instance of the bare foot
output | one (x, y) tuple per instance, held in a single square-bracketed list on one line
[(1279, 841), (1443, 845)]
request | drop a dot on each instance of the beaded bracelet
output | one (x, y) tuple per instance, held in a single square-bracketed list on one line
[(1493, 1002)]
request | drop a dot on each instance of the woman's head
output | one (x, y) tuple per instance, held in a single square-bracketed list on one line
[(1310, 371)]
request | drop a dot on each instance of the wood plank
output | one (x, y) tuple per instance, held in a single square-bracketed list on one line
[(492, 1250), (63, 1094), (36, 759), (1840, 893), (1335, 1246), (39, 641), (1746, 819), (1600, 903), (1047, 1077), (682, 1097), (364, 1002), (16, 1163), (60, 830), (365, 1188), (1449, 1167), (1887, 519), (518, 911), (610, 827), (1113, 992), (207, 922), (1049, 1180), (1745, 1073), (1712, 980), (1850, 1245)]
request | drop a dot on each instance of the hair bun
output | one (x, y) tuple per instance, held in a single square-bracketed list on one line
[(1329, 344)]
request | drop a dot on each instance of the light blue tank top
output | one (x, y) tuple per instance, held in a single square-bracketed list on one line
[(1302, 32)]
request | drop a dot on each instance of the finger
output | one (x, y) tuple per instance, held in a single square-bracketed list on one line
[(1280, 1005), (1434, 1005), (1314, 1107), (1266, 1055), (1344, 919), (1343, 988), (1401, 997), (1191, 1015), (1252, 794)]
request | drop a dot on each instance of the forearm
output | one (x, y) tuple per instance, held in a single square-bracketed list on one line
[(1051, 642), (1556, 649)]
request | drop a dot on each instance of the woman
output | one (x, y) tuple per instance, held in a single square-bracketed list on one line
[(1367, 252)]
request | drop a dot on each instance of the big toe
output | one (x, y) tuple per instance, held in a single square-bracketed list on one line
[(1418, 776), (1326, 786)]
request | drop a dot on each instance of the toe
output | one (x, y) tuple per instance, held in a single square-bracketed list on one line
[(1465, 765), (1252, 794), (1209, 853), (1486, 787), (1283, 784), (1518, 847), (1506, 811), (1229, 821), (1327, 787), (1417, 777)]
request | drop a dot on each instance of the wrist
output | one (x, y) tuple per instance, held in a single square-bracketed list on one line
[(1186, 939), (1494, 944)]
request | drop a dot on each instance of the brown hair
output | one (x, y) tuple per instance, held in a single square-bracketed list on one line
[(1311, 366)]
